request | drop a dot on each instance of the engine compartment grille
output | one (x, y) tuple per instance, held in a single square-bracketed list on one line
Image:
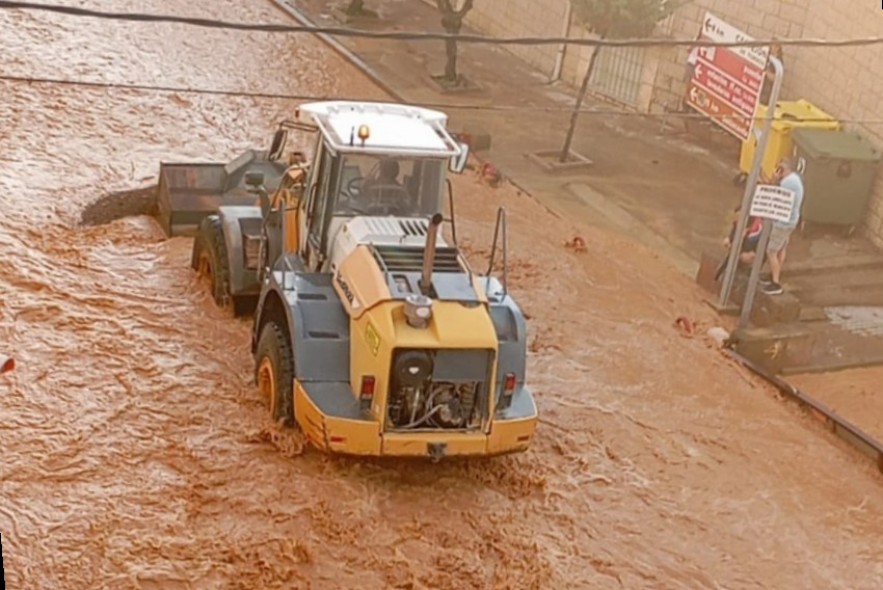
[(410, 259)]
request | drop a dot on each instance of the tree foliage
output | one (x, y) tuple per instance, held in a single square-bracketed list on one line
[(623, 18), (357, 8)]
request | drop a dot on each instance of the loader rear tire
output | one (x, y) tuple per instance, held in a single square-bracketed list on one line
[(210, 259), (274, 373)]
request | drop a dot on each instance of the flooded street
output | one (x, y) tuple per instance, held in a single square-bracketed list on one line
[(849, 393), (139, 456)]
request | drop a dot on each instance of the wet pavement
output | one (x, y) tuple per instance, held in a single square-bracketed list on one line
[(137, 452)]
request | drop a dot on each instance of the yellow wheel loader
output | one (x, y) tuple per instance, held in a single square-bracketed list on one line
[(370, 332)]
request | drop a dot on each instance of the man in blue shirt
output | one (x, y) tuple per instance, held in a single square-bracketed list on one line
[(787, 178)]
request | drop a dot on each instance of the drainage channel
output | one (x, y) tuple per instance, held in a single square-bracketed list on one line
[(841, 427)]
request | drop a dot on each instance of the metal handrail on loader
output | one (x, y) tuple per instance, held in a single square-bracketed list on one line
[(453, 219), (501, 223)]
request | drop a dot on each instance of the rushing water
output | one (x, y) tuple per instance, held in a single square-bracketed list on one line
[(136, 451)]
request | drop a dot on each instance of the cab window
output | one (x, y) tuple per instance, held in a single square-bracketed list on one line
[(380, 185)]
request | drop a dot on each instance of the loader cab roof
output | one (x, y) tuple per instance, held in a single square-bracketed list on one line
[(392, 129)]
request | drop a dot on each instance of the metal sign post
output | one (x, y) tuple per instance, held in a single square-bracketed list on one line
[(772, 203), (750, 185), (751, 290)]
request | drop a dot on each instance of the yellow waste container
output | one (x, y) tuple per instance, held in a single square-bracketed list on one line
[(787, 116)]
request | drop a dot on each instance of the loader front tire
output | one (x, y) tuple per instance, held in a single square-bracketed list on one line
[(274, 373), (210, 259)]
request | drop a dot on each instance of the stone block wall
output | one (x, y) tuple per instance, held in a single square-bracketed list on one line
[(846, 81), (523, 18)]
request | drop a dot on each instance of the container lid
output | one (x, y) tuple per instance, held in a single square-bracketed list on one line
[(796, 113), (842, 145), (801, 110)]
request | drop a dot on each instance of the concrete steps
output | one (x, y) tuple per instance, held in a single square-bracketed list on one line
[(841, 263), (854, 283), (829, 318)]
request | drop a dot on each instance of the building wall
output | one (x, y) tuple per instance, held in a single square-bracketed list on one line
[(523, 18), (846, 81), (539, 18)]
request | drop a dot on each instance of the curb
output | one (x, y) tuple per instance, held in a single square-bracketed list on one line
[(836, 424)]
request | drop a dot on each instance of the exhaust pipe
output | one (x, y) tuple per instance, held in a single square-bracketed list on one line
[(7, 364), (429, 254)]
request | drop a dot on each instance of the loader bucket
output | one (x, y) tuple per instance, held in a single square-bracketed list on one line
[(187, 193)]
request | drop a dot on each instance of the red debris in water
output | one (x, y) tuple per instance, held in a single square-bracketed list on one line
[(7, 364), (577, 244), (490, 175), (685, 324)]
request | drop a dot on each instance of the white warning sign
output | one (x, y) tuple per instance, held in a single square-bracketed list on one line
[(772, 202)]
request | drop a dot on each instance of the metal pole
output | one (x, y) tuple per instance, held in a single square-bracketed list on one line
[(559, 58), (751, 184), (759, 256)]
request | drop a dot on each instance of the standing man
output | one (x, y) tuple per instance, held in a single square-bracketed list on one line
[(787, 178)]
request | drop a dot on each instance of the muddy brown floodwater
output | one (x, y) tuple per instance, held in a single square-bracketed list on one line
[(853, 394), (136, 452)]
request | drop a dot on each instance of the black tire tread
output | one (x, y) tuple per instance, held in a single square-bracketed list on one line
[(211, 239), (275, 344)]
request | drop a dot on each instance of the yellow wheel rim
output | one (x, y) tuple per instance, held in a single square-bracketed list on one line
[(267, 384)]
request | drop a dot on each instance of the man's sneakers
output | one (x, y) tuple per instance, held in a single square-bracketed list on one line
[(768, 286), (772, 288)]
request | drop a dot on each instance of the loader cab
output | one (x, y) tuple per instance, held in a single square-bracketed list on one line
[(345, 186), (373, 160)]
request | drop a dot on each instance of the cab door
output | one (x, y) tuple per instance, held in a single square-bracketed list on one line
[(317, 209), (290, 196), (308, 203)]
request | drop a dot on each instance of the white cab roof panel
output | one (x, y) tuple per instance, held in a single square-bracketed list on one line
[(393, 128)]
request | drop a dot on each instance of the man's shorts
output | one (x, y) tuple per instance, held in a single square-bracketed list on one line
[(779, 237)]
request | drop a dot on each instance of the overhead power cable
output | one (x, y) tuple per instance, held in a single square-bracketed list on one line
[(428, 36), (431, 105)]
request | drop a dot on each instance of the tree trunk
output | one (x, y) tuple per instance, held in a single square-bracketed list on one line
[(452, 23), (583, 90), (451, 65)]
